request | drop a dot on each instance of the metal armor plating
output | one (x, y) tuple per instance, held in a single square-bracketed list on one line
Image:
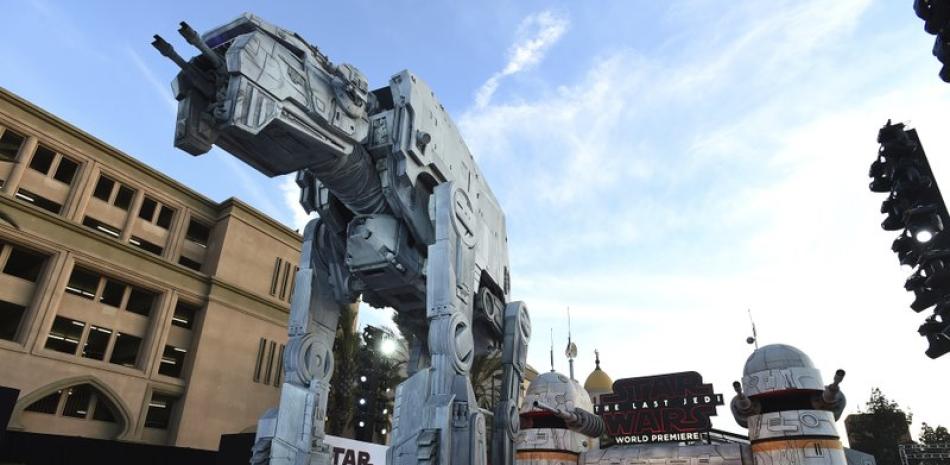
[(406, 221), (556, 421), (790, 414)]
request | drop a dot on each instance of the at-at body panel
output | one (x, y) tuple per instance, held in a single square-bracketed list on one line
[(406, 220)]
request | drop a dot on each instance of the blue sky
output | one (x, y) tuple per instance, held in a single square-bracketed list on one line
[(664, 165)]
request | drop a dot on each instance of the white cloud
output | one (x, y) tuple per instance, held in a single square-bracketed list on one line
[(291, 193), (536, 34), (662, 197), (162, 90)]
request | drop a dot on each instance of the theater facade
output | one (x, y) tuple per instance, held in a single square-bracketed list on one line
[(131, 307)]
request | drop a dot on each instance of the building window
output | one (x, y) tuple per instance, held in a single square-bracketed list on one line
[(147, 212), (23, 263), (101, 227), (279, 376), (269, 362), (10, 316), (99, 342), (154, 212), (39, 201), (66, 171), (189, 263), (198, 233), (293, 281), (261, 346), (112, 293), (123, 198), (96, 342), (173, 361), (83, 283), (160, 411), (42, 159), (146, 245), (77, 401), (65, 334), (81, 401), (103, 189), (112, 192), (184, 316), (275, 278), (125, 351), (10, 143), (283, 281), (164, 219), (140, 301), (48, 404)]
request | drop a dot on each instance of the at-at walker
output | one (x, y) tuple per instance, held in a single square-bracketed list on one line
[(406, 220)]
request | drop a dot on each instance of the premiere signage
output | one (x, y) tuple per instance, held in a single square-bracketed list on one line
[(664, 408), (350, 452)]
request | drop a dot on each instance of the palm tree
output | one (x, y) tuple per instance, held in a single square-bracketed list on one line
[(486, 369), (380, 373), (341, 407)]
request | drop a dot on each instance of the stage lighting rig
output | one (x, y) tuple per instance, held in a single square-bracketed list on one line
[(936, 16), (915, 207)]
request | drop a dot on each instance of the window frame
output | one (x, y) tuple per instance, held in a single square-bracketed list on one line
[(23, 138), (117, 185), (55, 163), (128, 289), (6, 251), (159, 208)]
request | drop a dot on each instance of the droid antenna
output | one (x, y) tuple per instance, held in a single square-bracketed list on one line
[(571, 350), (754, 339), (552, 349)]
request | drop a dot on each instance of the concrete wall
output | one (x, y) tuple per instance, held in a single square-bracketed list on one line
[(217, 391)]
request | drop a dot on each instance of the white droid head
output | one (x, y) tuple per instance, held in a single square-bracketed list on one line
[(778, 369)]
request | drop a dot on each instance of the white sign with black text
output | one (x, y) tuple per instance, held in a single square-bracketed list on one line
[(350, 452)]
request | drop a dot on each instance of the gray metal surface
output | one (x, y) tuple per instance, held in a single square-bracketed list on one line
[(789, 413), (775, 425), (779, 367), (545, 441), (671, 454), (406, 220)]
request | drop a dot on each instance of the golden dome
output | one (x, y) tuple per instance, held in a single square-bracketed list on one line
[(598, 382)]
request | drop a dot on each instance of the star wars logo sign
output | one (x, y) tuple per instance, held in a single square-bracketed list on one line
[(663, 408)]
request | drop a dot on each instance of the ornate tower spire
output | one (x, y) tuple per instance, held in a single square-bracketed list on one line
[(571, 351)]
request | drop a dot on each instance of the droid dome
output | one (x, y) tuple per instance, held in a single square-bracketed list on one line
[(777, 368), (776, 357), (555, 389)]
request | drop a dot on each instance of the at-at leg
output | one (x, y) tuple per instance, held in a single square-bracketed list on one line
[(506, 423), (293, 434), (436, 419)]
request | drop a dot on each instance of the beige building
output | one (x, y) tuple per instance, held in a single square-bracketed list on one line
[(131, 307)]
